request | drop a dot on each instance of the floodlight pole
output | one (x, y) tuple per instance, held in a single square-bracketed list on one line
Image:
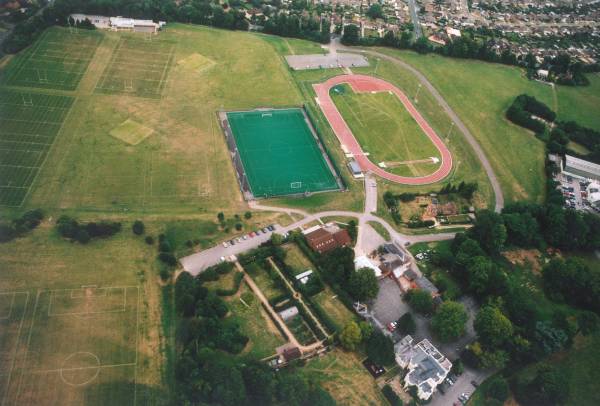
[(417, 93), (450, 130)]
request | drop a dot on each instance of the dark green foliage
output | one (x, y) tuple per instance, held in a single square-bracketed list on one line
[(574, 282), (420, 300), (70, 228), (237, 281), (406, 324), (363, 285), (352, 230), (549, 339), (449, 321), (380, 349), (167, 258), (19, 226), (588, 322), (248, 215), (164, 246), (492, 327), (497, 388), (238, 226), (375, 11), (548, 387), (138, 227), (391, 396), (351, 35), (489, 230)]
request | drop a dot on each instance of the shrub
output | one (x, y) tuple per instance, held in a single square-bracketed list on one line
[(27, 222), (497, 388), (391, 396), (248, 215), (238, 226), (138, 227), (164, 246), (164, 273), (167, 258), (149, 240)]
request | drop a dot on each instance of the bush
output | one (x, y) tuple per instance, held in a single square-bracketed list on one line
[(164, 246), (248, 215), (238, 226), (497, 388), (27, 222), (149, 240), (69, 228), (391, 396), (138, 227), (164, 273), (167, 258)]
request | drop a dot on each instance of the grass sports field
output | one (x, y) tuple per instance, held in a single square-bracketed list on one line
[(58, 60), (279, 152), (386, 131), (29, 123)]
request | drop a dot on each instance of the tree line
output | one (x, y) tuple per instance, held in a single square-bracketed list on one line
[(208, 366)]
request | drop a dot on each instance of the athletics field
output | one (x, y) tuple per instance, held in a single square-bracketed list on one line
[(279, 153)]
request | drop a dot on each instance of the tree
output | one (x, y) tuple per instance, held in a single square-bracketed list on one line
[(375, 11), (479, 270), (238, 226), (449, 321), (588, 322), (420, 300), (548, 387), (248, 215), (138, 227), (493, 328), (350, 336), (366, 329), (363, 284), (380, 349), (406, 324), (149, 240), (497, 388), (276, 239), (351, 35), (490, 231), (352, 230), (221, 216)]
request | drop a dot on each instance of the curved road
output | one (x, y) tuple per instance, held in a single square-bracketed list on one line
[(364, 84), (499, 197)]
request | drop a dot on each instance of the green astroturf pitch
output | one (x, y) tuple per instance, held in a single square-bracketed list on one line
[(279, 153), (29, 122)]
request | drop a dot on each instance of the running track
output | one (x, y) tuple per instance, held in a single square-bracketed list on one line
[(363, 84)]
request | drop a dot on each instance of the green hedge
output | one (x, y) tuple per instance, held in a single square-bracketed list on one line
[(237, 281)]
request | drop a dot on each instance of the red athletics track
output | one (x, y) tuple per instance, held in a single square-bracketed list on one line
[(363, 84)]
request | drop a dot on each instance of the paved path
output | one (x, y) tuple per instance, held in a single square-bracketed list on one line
[(364, 84), (499, 197)]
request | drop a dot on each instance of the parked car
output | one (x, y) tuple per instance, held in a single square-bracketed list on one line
[(245, 237), (231, 242), (271, 227), (225, 245), (258, 232), (392, 326), (264, 230), (474, 383)]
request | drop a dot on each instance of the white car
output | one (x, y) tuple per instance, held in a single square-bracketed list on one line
[(225, 245), (222, 259)]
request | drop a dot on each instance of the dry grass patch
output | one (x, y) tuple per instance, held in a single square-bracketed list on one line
[(131, 132), (529, 258), (196, 63)]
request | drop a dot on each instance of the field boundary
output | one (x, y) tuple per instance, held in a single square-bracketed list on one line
[(362, 84), (15, 348)]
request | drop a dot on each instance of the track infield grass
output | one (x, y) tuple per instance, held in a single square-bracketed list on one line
[(279, 153), (480, 93), (386, 130)]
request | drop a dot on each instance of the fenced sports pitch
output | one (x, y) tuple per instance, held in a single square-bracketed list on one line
[(277, 152)]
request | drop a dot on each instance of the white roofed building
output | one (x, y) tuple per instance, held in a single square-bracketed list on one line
[(120, 23), (581, 169)]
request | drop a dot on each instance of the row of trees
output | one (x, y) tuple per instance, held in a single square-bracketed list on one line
[(299, 27), (70, 228), (21, 225)]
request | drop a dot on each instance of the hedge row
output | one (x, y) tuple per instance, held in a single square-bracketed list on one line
[(237, 281)]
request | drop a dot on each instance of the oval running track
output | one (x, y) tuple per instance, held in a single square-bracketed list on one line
[(367, 84)]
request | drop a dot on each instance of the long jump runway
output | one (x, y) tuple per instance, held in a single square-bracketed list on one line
[(365, 84)]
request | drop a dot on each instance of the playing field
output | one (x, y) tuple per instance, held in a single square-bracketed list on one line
[(279, 153), (386, 131), (79, 346), (58, 60), (29, 123), (138, 67)]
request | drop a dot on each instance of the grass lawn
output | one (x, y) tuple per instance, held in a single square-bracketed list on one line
[(293, 46), (580, 103), (91, 310), (183, 166), (480, 93), (386, 130), (296, 259), (344, 377), (255, 323), (336, 310), (381, 230)]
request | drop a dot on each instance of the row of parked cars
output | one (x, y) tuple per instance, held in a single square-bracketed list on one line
[(251, 234)]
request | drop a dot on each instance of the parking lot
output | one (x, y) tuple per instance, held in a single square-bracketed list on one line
[(388, 306), (574, 191)]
